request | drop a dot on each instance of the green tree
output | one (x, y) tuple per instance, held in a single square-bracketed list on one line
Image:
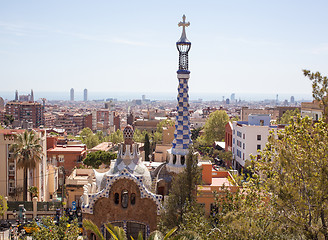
[(27, 152), (285, 118), (33, 190), (147, 147), (9, 119), (294, 168), (195, 133), (164, 123), (245, 214), (116, 137), (182, 194), (89, 138), (319, 90), (95, 159), (48, 229), (3, 205), (118, 233), (214, 128)]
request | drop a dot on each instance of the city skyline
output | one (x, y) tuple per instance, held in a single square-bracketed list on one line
[(238, 47)]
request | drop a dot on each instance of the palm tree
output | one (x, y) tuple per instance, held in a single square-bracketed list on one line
[(27, 152), (118, 233)]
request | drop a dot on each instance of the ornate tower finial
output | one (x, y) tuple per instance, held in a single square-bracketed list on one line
[(183, 46), (183, 24)]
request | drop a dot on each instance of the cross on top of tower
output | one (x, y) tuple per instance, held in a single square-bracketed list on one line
[(183, 24)]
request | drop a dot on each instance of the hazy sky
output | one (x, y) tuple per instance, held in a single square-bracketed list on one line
[(129, 46)]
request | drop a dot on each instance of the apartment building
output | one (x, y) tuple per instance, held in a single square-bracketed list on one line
[(248, 137), (11, 178), (30, 112)]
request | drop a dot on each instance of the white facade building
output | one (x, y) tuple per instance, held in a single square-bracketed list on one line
[(248, 137)]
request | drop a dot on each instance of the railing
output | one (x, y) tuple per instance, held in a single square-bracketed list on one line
[(48, 206), (14, 205)]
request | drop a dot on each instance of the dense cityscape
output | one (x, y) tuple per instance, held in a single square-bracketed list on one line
[(146, 167)]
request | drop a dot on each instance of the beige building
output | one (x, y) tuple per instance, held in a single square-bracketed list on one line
[(11, 177), (312, 109)]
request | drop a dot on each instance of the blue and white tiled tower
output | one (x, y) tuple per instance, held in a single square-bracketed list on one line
[(182, 138)]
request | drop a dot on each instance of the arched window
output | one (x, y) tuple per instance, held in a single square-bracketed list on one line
[(183, 159), (125, 198), (174, 159), (133, 198), (116, 198)]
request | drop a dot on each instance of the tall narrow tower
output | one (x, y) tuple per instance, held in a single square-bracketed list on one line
[(182, 139), (72, 94), (85, 95), (32, 96)]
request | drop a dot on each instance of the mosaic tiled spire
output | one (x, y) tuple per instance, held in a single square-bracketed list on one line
[(182, 134)]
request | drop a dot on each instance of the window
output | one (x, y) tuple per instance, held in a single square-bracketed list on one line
[(243, 135), (116, 198), (133, 198), (259, 147), (259, 137), (60, 158), (125, 198), (174, 159), (238, 134), (243, 145), (11, 169), (183, 159)]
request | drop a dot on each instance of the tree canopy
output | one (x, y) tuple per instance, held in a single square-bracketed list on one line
[(285, 118), (95, 159), (214, 128), (319, 90)]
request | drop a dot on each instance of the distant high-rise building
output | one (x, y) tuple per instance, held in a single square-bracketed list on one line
[(16, 95), (277, 99), (233, 97), (72, 94), (85, 95), (292, 100), (32, 96), (143, 97)]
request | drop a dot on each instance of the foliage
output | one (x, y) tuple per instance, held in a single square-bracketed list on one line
[(214, 128), (245, 214), (33, 190), (195, 133), (226, 156), (194, 221), (295, 171), (116, 137), (27, 152), (164, 123), (182, 193), (285, 118), (118, 233), (48, 229), (147, 147), (89, 138), (3, 205), (319, 90), (95, 159), (234, 118), (9, 119)]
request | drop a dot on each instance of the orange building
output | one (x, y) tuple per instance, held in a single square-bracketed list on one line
[(213, 181), (68, 156)]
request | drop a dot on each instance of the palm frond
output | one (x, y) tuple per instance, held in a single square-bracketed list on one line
[(90, 226), (170, 233)]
